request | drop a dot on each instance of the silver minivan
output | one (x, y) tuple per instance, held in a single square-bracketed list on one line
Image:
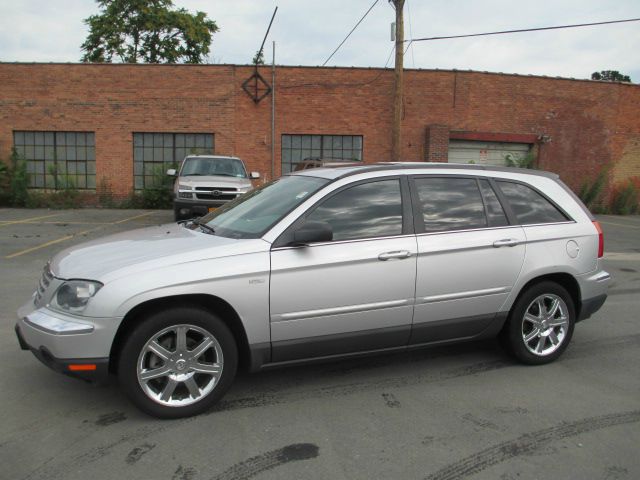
[(317, 265)]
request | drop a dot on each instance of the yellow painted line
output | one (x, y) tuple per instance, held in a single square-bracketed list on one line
[(52, 242), (63, 222), (133, 218), (27, 220), (620, 224)]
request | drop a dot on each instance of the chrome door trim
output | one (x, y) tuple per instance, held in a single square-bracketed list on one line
[(364, 307), (340, 242), (467, 294)]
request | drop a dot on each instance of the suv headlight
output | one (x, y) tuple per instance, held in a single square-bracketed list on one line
[(73, 295)]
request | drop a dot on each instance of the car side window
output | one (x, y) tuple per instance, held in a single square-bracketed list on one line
[(529, 206), (495, 213), (367, 210), (450, 203)]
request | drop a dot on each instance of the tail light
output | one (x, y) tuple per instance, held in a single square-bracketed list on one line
[(600, 239)]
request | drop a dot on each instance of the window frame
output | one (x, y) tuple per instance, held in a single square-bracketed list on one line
[(174, 147), (55, 146), (408, 228), (511, 213), (321, 156)]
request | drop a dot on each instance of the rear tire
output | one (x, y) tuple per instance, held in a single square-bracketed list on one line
[(540, 324), (178, 362)]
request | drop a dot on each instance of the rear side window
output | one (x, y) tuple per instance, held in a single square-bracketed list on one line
[(364, 211), (450, 204), (529, 206)]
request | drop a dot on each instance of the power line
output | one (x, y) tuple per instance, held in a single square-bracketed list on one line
[(352, 30), (523, 30)]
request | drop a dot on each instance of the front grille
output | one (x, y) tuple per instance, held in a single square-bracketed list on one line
[(220, 189), (210, 196)]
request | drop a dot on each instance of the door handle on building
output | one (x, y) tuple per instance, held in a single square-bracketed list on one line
[(506, 242), (397, 254)]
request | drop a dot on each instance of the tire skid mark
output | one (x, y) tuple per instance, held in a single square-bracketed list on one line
[(269, 460), (584, 349), (136, 454), (528, 443), (390, 400)]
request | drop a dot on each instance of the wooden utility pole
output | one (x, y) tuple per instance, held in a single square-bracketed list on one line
[(396, 133)]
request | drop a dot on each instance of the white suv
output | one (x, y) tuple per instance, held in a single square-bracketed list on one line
[(317, 265)]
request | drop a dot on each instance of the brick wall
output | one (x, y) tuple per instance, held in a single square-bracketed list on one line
[(589, 124)]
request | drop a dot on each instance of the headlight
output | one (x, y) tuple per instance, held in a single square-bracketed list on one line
[(184, 187), (73, 296), (244, 189)]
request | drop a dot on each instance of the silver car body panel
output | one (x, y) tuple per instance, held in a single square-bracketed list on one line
[(312, 297)]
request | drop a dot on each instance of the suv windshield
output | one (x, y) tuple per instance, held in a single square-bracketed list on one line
[(229, 167), (255, 212)]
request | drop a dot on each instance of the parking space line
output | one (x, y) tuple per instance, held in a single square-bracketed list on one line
[(133, 218), (52, 242), (620, 224), (4, 223)]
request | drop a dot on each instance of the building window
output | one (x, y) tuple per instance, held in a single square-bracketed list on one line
[(154, 153), (297, 148), (58, 160)]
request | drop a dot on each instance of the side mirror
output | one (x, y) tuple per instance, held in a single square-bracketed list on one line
[(171, 172), (311, 232), (254, 175)]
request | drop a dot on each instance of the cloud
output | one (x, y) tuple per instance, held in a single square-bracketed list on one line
[(307, 32)]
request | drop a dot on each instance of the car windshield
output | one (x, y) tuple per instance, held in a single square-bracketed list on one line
[(254, 213), (228, 167)]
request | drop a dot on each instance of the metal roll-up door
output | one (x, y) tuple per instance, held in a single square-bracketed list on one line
[(486, 153)]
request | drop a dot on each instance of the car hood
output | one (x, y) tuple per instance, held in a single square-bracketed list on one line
[(214, 181), (150, 248)]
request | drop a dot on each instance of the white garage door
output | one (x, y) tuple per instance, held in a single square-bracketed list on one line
[(486, 153)]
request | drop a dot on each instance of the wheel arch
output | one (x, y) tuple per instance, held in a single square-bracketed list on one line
[(210, 303), (565, 280)]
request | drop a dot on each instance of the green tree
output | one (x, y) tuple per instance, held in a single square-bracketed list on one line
[(258, 58), (147, 31), (610, 76)]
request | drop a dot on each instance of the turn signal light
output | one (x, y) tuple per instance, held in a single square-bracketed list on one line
[(600, 239), (82, 367)]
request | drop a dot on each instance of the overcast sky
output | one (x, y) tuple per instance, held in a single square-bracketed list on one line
[(306, 32)]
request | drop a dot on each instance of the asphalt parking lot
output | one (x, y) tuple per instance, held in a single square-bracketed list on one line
[(465, 411)]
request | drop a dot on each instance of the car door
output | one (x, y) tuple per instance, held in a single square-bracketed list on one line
[(469, 257), (356, 292)]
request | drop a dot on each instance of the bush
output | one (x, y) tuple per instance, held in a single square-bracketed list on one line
[(625, 198), (18, 180), (516, 161), (591, 191)]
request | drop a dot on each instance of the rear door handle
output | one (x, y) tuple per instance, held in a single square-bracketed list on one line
[(396, 254), (506, 242)]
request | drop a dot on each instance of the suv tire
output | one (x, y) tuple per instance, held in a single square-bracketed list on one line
[(178, 362), (540, 324)]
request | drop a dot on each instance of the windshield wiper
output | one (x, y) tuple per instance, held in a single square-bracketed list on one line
[(204, 226)]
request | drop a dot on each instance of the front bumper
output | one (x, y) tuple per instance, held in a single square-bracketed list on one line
[(77, 349)]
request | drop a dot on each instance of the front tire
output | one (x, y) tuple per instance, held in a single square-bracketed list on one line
[(178, 362), (540, 324)]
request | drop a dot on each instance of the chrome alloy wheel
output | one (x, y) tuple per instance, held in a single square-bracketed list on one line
[(180, 365), (545, 324)]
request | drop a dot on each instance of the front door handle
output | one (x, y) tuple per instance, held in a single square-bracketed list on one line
[(396, 254), (506, 242)]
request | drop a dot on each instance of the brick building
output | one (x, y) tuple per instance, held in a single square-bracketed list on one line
[(115, 125)]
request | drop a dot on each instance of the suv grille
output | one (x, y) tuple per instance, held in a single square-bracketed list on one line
[(216, 193)]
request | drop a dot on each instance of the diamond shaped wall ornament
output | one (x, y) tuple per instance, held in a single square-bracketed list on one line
[(256, 87)]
